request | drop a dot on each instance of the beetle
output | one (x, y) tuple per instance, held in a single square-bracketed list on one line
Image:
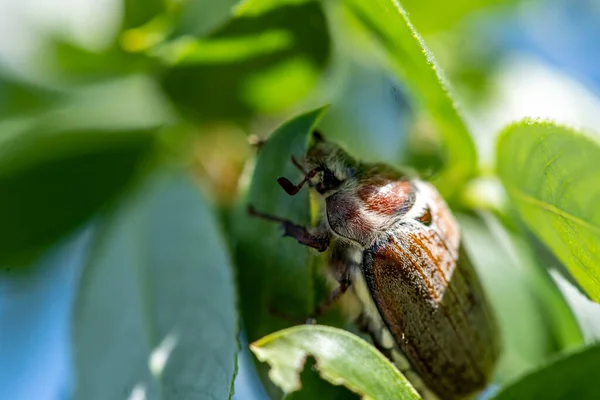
[(395, 248)]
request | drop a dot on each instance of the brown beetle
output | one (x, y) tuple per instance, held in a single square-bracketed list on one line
[(395, 247)]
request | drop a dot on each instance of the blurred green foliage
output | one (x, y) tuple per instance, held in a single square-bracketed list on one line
[(91, 137)]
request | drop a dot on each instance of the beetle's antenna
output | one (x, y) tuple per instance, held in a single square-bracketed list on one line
[(298, 165), (292, 189), (317, 136), (256, 213)]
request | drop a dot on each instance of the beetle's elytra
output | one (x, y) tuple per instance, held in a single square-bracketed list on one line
[(395, 246)]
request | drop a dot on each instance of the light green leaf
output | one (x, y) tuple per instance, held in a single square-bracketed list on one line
[(155, 313), (551, 174), (416, 67), (447, 14), (342, 358), (533, 318), (574, 376)]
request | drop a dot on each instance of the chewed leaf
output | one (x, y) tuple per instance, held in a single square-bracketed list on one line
[(341, 358)]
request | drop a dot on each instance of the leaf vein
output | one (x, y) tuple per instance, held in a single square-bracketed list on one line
[(552, 209)]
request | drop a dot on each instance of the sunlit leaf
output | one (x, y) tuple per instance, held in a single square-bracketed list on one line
[(257, 62), (534, 320), (416, 67), (447, 14), (341, 358), (574, 376), (551, 174), (155, 312)]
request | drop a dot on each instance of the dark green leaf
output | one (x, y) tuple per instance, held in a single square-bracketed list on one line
[(261, 63), (18, 97), (274, 273), (56, 170), (551, 174), (156, 306), (138, 12), (533, 318), (574, 376), (416, 67), (341, 357), (73, 63)]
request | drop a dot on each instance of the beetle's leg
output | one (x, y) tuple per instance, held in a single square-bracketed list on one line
[(333, 297), (292, 189), (301, 234), (292, 320), (340, 264)]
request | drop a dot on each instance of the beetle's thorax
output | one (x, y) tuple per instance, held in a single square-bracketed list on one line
[(370, 203)]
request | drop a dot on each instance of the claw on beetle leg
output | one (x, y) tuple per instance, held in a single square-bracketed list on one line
[(301, 234)]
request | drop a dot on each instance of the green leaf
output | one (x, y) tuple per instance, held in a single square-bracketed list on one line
[(416, 67), (200, 17), (138, 12), (586, 311), (72, 63), (533, 318), (447, 14), (574, 376), (274, 272), (257, 63), (18, 97), (58, 169), (155, 312), (341, 357), (551, 174)]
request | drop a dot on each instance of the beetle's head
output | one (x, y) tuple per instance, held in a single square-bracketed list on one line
[(326, 166), (334, 165)]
